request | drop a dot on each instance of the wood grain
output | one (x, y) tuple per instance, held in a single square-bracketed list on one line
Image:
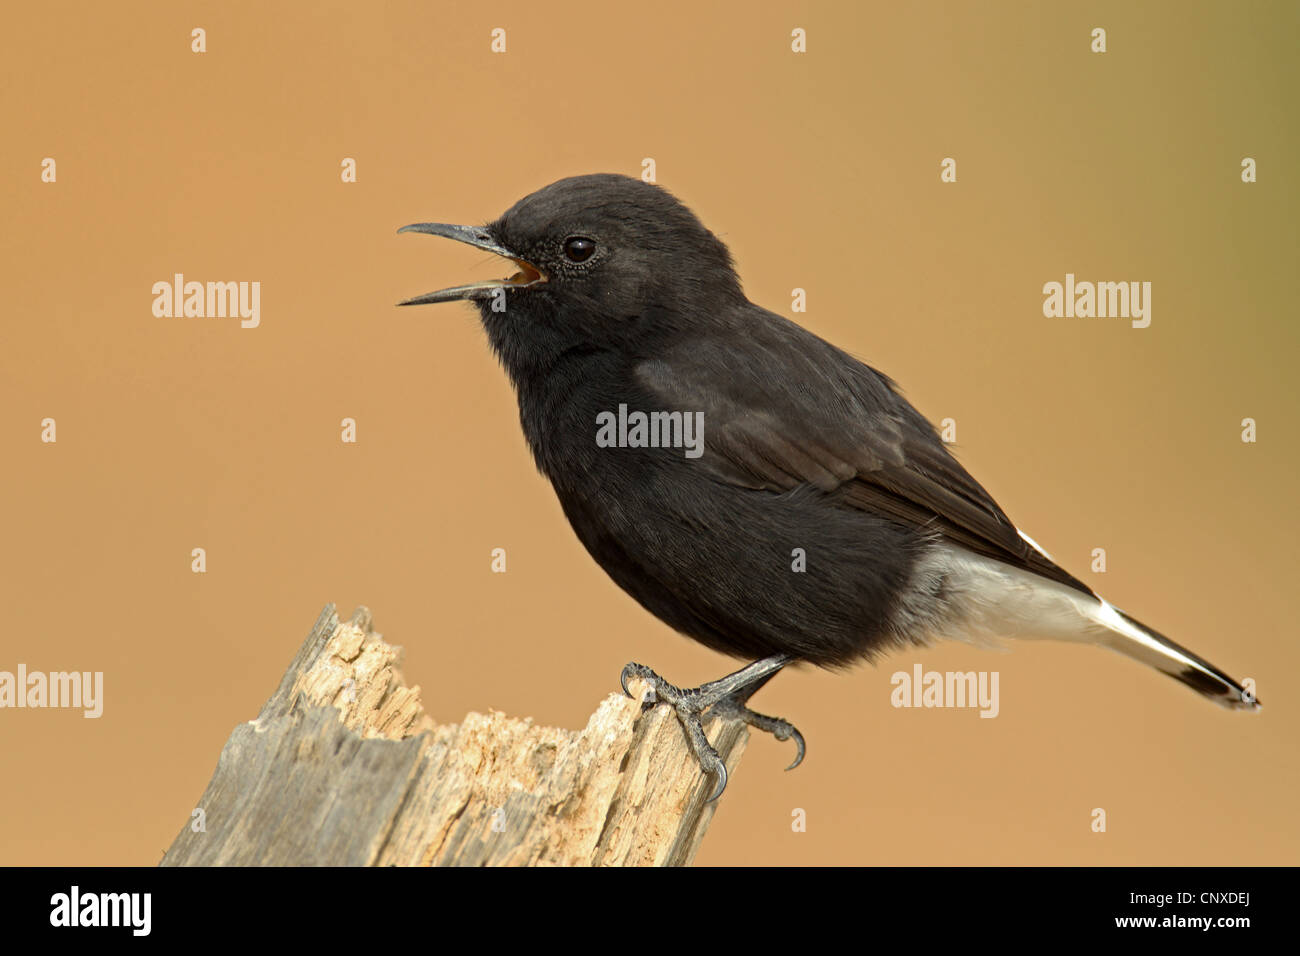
[(343, 767)]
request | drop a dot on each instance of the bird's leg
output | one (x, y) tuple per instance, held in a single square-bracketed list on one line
[(724, 698)]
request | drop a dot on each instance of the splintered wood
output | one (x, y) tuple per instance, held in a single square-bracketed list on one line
[(343, 767)]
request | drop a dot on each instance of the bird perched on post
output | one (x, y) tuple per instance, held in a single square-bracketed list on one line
[(696, 440)]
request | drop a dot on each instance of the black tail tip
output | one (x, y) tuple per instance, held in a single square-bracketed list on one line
[(1222, 690)]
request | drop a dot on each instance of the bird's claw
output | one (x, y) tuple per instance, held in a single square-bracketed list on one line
[(719, 770), (778, 728), (692, 704), (801, 749), (646, 674)]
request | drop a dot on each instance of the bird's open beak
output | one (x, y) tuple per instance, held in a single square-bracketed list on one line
[(476, 236)]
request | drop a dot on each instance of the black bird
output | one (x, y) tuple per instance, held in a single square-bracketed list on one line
[(624, 302)]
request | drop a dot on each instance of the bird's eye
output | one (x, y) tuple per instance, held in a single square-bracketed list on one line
[(579, 248)]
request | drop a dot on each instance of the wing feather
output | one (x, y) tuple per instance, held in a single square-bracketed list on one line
[(793, 410)]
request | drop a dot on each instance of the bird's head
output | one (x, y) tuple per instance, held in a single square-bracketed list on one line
[(601, 260)]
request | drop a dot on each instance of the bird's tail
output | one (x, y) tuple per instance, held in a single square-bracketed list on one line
[(987, 599), (1134, 639)]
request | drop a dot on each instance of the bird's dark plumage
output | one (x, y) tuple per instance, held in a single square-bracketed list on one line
[(624, 298)]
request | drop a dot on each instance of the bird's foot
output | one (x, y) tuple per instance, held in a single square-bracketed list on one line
[(730, 707), (725, 698)]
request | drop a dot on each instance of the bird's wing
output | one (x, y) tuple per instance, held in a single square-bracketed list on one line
[(789, 409)]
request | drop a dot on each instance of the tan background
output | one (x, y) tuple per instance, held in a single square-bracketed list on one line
[(821, 171)]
